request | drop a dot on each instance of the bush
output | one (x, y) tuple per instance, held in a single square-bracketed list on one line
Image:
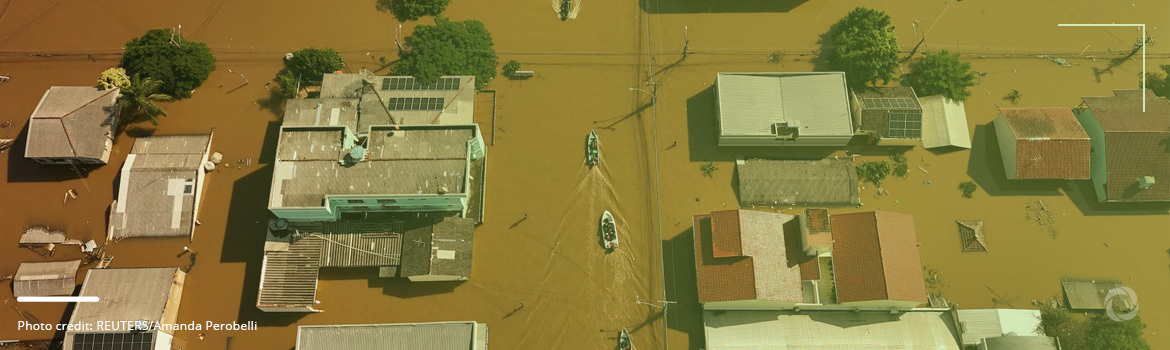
[(1160, 83), (968, 188), (178, 68), (511, 67), (449, 48), (901, 164), (875, 172), (864, 47), (113, 78), (413, 9), (311, 63), (1096, 332), (941, 73), (708, 169), (287, 84)]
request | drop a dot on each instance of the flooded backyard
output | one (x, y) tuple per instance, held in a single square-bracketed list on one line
[(540, 280)]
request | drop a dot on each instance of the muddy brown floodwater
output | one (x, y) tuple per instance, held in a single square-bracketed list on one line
[(573, 295)]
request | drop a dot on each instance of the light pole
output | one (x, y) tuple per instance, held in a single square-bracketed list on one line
[(653, 96)]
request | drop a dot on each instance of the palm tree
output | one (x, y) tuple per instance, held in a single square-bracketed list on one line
[(1014, 96), (138, 100)]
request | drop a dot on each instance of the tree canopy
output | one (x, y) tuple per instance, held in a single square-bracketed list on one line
[(311, 63), (179, 66), (449, 48), (864, 47), (138, 99), (113, 78), (1160, 83), (941, 73), (1095, 332), (413, 9)]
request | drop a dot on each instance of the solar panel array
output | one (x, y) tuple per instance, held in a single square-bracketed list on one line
[(415, 103), (890, 102), (408, 83), (113, 341), (905, 125)]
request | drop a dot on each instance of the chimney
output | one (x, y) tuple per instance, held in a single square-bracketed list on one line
[(1145, 182)]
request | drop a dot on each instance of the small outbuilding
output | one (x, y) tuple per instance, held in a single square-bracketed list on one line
[(971, 236), (892, 115), (944, 123), (45, 278)]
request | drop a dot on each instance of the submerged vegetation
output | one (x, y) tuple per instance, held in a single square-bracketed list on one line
[(1159, 82), (449, 48), (510, 68), (968, 188), (941, 73), (874, 171), (708, 169), (413, 9), (1013, 96), (1090, 332), (901, 164), (178, 65), (864, 47), (305, 66), (113, 78), (137, 100)]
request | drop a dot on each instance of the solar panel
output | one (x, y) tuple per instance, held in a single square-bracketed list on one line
[(408, 83), (905, 125), (113, 341), (889, 102), (415, 104)]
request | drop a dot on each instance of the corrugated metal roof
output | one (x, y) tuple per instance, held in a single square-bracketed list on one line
[(126, 294), (1021, 343), (829, 330), (750, 103), (802, 182), (397, 336), (944, 123), (45, 278), (1088, 294), (988, 323), (158, 187), (73, 121), (289, 278)]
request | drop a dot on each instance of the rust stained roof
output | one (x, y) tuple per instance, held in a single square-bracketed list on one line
[(875, 257), (760, 270), (1050, 143)]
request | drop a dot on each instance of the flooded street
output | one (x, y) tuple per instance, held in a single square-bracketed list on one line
[(540, 280)]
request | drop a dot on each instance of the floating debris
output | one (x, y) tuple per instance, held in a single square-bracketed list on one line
[(1060, 61)]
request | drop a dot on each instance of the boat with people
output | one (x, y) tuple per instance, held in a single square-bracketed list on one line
[(624, 340), (592, 149), (609, 239)]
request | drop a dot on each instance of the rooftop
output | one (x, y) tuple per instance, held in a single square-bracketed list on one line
[(73, 122), (971, 236), (448, 101), (944, 123), (831, 181), (442, 249), (1089, 294), (159, 187), (467, 335), (891, 112), (787, 330), (1050, 143), (875, 257), (128, 294), (45, 278), (1123, 111), (1021, 342), (752, 103), (742, 255), (405, 160), (1135, 144), (990, 323)]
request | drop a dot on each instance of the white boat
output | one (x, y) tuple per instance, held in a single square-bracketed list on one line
[(608, 231)]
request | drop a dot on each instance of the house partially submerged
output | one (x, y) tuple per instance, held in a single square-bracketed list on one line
[(468, 335), (980, 324), (1042, 143), (876, 261), (944, 123), (764, 182), (741, 262), (783, 109), (385, 100), (160, 187), (1090, 295), (819, 329), (73, 125), (421, 248), (890, 115), (1130, 156), (971, 236), (134, 301), (45, 278)]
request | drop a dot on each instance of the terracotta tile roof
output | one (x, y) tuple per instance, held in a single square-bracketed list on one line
[(760, 271), (875, 257), (810, 270), (725, 238), (1137, 144), (1050, 143)]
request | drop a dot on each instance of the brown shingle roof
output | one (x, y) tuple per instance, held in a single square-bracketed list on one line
[(810, 270), (72, 121), (1137, 144), (760, 271), (875, 257), (1050, 143)]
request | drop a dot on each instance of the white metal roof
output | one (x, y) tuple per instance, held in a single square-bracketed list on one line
[(829, 330), (944, 123), (463, 335), (989, 323), (750, 103)]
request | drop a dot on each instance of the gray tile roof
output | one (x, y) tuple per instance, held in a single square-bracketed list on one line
[(408, 160), (467, 335), (159, 185), (802, 182), (127, 294), (442, 249), (751, 103), (45, 278), (73, 122)]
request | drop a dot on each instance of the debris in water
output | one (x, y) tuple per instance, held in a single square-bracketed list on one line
[(1060, 61)]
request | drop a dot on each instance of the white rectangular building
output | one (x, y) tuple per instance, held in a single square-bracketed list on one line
[(774, 109)]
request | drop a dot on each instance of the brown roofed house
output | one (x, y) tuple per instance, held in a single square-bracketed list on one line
[(741, 259), (876, 261), (73, 125), (1130, 147), (1042, 143)]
